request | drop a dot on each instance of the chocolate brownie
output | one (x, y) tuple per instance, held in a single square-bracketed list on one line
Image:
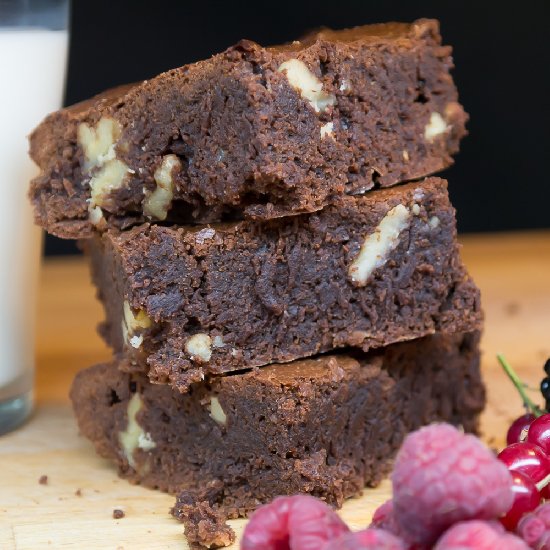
[(324, 426), (367, 271), (253, 131)]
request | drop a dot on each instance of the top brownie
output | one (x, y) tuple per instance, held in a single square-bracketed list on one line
[(253, 132)]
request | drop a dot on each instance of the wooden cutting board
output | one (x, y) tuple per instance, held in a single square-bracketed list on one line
[(74, 509)]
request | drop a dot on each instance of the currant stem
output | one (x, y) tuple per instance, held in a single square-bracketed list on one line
[(543, 483), (520, 386)]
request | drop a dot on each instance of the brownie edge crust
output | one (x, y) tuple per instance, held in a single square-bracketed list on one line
[(326, 426), (253, 131)]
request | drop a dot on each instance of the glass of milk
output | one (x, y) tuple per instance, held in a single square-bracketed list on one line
[(33, 53)]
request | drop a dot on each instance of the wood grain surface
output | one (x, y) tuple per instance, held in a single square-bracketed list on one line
[(74, 509)]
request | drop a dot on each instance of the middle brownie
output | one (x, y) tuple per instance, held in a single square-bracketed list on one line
[(186, 302)]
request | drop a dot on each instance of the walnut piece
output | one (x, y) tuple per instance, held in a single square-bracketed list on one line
[(327, 129), (96, 215), (199, 347), (158, 202), (377, 247), (218, 342), (98, 144), (107, 172), (109, 177), (204, 235), (134, 437), (216, 412), (309, 86), (433, 222), (435, 127), (131, 324), (345, 85)]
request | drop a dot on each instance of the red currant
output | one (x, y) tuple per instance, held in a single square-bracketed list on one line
[(527, 458), (539, 432), (526, 499), (517, 427), (545, 492)]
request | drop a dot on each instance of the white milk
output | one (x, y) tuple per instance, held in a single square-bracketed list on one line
[(32, 72)]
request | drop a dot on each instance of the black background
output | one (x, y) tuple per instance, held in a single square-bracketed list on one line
[(500, 180)]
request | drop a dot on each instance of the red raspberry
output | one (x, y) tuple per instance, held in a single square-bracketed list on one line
[(442, 476), (544, 542), (369, 539), (299, 522), (479, 535), (534, 528), (383, 518)]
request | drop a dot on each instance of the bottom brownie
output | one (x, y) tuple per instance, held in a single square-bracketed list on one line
[(326, 426)]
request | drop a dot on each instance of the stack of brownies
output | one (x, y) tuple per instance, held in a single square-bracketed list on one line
[(283, 306)]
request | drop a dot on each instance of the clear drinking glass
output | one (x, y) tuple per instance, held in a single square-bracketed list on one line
[(33, 53)]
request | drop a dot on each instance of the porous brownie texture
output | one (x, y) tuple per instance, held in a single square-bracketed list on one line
[(326, 426), (253, 131), (183, 303)]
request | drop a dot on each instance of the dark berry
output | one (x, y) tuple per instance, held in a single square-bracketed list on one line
[(545, 388), (547, 367)]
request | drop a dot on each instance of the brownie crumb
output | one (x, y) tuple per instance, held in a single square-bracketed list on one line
[(78, 492), (205, 525), (118, 513), (43, 480)]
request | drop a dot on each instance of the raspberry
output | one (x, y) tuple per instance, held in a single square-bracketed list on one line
[(479, 535), (442, 476), (534, 528), (299, 522), (268, 527), (369, 539), (383, 518)]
